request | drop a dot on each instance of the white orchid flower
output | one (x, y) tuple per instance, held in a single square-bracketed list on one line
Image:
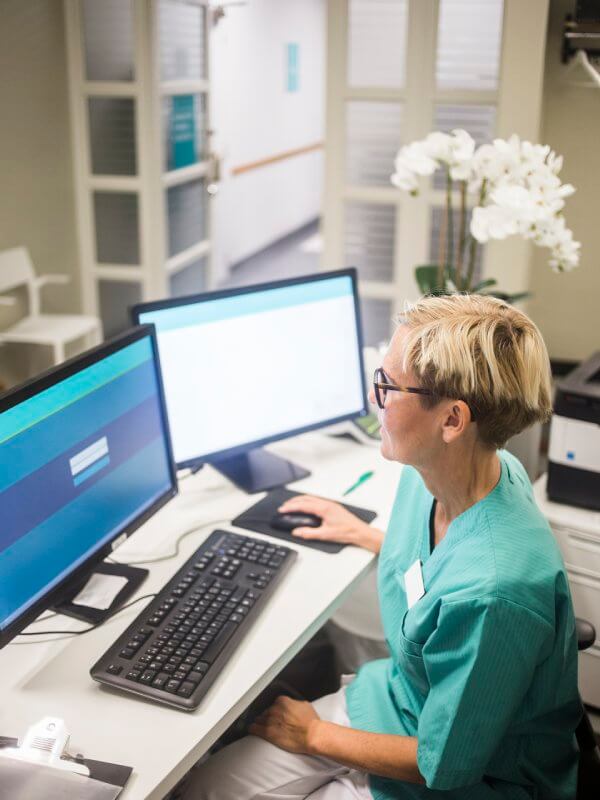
[(523, 203), (493, 222), (438, 146), (405, 179), (414, 157)]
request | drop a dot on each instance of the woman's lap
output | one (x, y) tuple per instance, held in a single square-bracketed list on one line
[(254, 769)]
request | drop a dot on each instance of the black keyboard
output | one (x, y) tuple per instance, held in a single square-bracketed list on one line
[(174, 650)]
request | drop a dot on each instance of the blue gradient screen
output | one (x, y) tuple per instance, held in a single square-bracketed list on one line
[(79, 461)]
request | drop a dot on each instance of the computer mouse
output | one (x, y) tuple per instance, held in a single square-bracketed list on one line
[(295, 519)]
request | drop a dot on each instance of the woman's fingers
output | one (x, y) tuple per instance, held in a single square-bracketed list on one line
[(315, 505)]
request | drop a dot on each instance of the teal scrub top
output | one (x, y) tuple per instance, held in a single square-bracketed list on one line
[(483, 668)]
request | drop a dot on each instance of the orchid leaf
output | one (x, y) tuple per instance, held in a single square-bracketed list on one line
[(427, 279)]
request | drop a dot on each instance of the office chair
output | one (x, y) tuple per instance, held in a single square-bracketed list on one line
[(588, 779)]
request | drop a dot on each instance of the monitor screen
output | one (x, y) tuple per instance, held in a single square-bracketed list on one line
[(84, 453), (248, 366)]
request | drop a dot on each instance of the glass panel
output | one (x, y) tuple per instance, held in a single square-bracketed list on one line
[(181, 27), (190, 280), (377, 43), (114, 298), (112, 135), (376, 321), (469, 41), (434, 239), (108, 40), (186, 214), (117, 236), (184, 130), (479, 121), (372, 141), (369, 240)]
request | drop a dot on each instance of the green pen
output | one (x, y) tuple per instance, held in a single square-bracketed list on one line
[(364, 477)]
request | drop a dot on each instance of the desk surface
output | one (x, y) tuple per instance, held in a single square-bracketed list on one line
[(51, 678)]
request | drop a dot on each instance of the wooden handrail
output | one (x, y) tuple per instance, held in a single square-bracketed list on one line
[(263, 162)]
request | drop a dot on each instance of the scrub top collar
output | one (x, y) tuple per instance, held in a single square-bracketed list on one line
[(471, 522)]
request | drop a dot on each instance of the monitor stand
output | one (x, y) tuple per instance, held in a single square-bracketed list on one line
[(95, 616), (259, 470)]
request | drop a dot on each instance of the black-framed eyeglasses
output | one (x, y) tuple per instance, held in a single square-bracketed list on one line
[(382, 385)]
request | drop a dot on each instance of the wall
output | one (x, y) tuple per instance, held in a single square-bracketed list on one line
[(36, 197), (254, 118), (566, 306)]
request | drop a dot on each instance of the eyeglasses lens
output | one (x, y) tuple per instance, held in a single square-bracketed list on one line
[(380, 393)]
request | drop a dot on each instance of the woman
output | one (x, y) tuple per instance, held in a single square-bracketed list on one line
[(479, 696)]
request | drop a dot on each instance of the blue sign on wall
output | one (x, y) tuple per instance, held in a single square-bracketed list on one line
[(292, 67), (182, 131)]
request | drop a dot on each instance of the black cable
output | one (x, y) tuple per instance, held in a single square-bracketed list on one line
[(96, 624)]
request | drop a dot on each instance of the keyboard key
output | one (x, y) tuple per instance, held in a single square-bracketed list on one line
[(147, 676), (133, 675), (114, 669), (127, 652), (160, 680), (172, 685), (219, 643), (186, 689)]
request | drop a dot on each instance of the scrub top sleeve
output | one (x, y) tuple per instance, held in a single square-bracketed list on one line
[(480, 662)]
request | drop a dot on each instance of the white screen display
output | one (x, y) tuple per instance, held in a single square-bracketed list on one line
[(259, 364)]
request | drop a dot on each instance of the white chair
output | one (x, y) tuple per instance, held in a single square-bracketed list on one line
[(51, 330)]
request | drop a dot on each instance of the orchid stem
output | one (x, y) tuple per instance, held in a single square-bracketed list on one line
[(462, 235), (441, 253), (473, 244), (450, 229)]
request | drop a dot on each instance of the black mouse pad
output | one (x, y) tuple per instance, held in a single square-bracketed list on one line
[(258, 518)]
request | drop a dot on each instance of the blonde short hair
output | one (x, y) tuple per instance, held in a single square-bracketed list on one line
[(481, 350)]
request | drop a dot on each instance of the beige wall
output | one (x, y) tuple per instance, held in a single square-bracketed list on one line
[(567, 306), (36, 194)]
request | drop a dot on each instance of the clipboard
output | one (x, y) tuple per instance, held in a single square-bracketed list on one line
[(24, 780)]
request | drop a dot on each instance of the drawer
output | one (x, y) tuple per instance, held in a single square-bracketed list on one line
[(589, 677), (580, 550), (586, 600)]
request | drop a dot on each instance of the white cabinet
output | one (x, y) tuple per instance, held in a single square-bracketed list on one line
[(577, 532)]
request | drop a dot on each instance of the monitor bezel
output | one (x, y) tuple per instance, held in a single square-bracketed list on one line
[(40, 383), (351, 272)]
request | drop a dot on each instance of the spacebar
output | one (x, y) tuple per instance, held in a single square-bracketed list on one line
[(219, 643)]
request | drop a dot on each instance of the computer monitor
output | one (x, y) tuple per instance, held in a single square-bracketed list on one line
[(247, 366), (85, 458)]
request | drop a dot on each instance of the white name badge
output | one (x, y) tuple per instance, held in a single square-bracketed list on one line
[(413, 583)]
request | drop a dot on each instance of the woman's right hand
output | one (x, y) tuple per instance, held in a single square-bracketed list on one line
[(338, 524)]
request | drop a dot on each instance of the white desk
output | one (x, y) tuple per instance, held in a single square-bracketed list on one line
[(161, 744)]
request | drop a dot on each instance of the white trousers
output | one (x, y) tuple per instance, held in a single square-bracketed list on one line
[(253, 769)]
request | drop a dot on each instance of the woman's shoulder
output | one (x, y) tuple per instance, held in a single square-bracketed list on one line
[(528, 566)]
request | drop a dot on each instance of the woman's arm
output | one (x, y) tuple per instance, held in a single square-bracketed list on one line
[(338, 525), (296, 726)]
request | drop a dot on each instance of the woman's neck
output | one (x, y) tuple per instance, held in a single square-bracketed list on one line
[(457, 483)]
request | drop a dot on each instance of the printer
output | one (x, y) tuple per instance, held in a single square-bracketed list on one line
[(574, 452)]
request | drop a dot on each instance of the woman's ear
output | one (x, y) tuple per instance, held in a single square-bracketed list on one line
[(456, 419)]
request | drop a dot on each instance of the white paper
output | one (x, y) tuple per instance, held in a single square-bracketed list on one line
[(413, 583), (100, 591)]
